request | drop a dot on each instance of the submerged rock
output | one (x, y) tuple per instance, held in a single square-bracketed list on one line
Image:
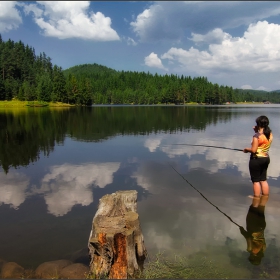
[(1, 264), (11, 270), (75, 271), (79, 256), (52, 269)]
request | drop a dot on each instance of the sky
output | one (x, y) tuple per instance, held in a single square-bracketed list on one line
[(233, 43)]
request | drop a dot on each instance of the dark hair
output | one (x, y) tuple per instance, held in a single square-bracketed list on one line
[(256, 259), (263, 122)]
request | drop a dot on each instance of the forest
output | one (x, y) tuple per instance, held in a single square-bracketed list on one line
[(26, 76)]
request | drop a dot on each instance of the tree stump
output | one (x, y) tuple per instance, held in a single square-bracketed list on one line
[(116, 244)]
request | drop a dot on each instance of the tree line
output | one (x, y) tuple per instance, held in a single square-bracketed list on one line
[(27, 76)]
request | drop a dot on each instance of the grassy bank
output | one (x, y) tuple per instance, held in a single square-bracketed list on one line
[(20, 104), (249, 103)]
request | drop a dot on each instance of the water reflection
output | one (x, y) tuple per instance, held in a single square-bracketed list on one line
[(178, 219), (153, 143), (214, 159), (26, 133), (100, 151), (255, 226), (62, 187), (13, 188), (67, 185)]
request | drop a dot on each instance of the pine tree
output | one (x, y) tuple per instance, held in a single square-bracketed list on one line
[(2, 89), (44, 88), (59, 85)]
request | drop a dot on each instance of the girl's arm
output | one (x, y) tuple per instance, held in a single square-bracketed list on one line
[(248, 238), (253, 148)]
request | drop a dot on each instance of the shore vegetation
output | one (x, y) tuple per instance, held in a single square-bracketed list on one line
[(26, 76)]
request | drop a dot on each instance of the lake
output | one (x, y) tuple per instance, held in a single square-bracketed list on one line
[(57, 163)]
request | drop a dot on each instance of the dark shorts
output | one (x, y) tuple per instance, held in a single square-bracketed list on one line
[(258, 168), (255, 220)]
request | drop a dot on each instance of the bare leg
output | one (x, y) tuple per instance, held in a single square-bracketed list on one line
[(257, 189), (255, 201), (264, 199), (264, 187)]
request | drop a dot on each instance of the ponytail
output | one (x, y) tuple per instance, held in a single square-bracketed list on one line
[(263, 122)]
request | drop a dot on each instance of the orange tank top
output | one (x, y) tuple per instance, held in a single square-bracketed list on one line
[(263, 144)]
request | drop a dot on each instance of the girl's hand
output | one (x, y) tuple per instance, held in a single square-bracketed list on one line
[(245, 150)]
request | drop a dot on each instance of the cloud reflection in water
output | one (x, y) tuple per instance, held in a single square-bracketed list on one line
[(215, 159), (180, 218), (63, 187), (13, 188), (68, 185)]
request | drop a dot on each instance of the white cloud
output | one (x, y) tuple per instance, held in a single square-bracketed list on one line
[(152, 60), (71, 19), (215, 36), (9, 16), (131, 42), (257, 50), (151, 23), (33, 8), (13, 188), (258, 88), (170, 20), (68, 185), (263, 88), (139, 25)]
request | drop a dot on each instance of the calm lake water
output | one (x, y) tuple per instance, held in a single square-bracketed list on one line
[(57, 163)]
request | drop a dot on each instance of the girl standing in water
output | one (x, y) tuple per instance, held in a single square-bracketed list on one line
[(259, 159)]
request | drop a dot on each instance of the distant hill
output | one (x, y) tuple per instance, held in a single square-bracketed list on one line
[(104, 85), (89, 69), (253, 91)]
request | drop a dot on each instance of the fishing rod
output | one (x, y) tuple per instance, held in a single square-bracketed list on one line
[(205, 197), (208, 146)]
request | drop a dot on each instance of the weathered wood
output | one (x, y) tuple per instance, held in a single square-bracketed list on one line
[(116, 244)]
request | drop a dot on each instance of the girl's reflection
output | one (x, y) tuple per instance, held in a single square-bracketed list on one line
[(255, 225)]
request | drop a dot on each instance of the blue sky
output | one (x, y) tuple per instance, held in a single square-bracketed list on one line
[(234, 43)]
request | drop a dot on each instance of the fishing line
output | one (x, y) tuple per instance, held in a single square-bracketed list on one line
[(205, 197), (208, 146)]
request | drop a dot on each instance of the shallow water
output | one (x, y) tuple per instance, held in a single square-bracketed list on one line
[(56, 164)]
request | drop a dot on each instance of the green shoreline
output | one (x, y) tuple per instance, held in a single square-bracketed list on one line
[(38, 104)]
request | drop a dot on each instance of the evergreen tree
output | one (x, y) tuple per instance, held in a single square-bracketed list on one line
[(2, 89), (58, 85), (44, 88)]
